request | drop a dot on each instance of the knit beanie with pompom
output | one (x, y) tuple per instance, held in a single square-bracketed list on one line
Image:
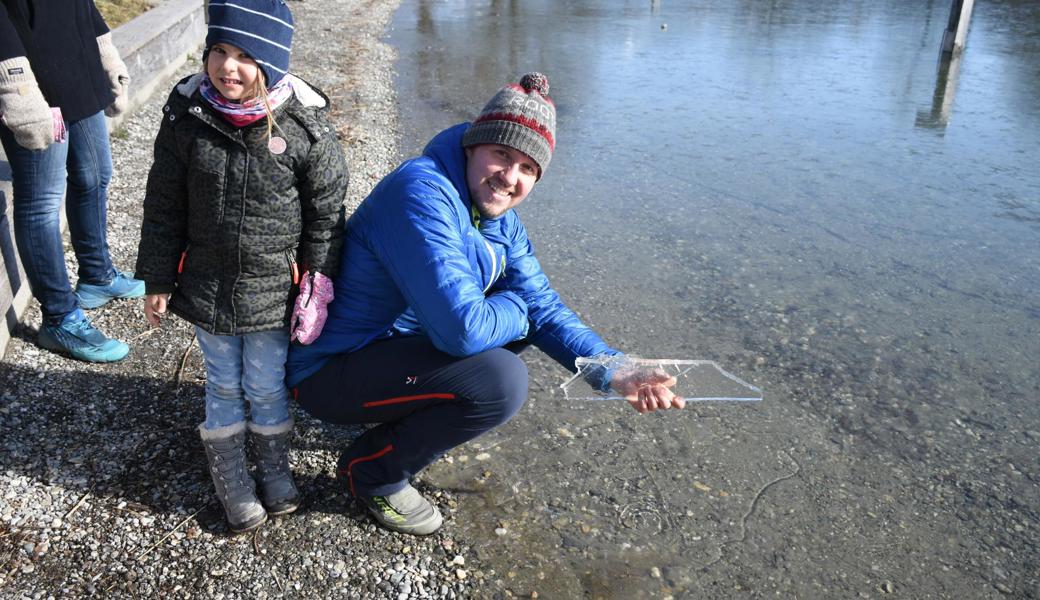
[(521, 116)]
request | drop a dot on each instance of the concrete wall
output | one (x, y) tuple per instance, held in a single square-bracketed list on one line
[(153, 45)]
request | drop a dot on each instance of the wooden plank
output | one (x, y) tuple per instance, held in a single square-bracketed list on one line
[(962, 26), (956, 33)]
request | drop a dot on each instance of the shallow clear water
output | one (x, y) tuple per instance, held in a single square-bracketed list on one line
[(796, 190)]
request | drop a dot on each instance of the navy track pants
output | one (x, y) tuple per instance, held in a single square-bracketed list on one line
[(425, 401)]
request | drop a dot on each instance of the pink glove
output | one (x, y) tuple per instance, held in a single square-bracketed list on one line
[(311, 310)]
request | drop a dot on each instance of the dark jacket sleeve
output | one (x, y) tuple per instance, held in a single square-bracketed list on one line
[(10, 43), (322, 187), (164, 230), (100, 27)]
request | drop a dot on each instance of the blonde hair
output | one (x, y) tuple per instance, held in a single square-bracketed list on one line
[(260, 91)]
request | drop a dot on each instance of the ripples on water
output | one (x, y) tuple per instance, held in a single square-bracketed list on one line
[(795, 190)]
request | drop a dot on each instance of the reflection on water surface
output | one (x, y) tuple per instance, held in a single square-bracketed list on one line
[(794, 190)]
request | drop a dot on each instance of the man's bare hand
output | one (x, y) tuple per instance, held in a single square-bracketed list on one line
[(647, 390)]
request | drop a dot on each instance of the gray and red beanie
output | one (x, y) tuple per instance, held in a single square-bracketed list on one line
[(521, 116), (262, 28)]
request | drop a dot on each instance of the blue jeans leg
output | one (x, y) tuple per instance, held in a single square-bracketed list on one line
[(38, 178), (86, 200), (263, 376), (225, 402), (241, 368)]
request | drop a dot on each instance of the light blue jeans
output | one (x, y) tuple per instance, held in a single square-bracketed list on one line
[(245, 368)]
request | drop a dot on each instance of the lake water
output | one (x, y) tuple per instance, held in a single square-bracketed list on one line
[(797, 190)]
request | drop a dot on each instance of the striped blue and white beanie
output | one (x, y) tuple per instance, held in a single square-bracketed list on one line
[(262, 28)]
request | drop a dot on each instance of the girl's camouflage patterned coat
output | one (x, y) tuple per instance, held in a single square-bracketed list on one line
[(228, 215)]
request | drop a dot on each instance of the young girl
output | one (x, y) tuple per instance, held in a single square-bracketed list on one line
[(248, 182)]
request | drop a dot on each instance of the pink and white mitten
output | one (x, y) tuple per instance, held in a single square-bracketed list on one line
[(311, 307)]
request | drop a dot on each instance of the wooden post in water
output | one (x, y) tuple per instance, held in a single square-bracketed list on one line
[(942, 99), (957, 28)]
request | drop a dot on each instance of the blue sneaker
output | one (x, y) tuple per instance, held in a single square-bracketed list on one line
[(121, 286), (76, 337)]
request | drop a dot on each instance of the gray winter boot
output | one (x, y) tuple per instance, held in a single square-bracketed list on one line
[(271, 455), (225, 449)]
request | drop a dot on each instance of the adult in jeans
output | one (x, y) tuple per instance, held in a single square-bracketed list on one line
[(59, 76), (437, 278)]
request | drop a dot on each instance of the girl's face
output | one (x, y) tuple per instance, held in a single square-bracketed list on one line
[(232, 72)]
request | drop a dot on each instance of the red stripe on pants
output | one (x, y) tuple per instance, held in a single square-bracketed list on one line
[(350, 475), (401, 399)]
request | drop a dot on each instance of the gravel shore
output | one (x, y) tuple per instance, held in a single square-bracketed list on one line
[(103, 489)]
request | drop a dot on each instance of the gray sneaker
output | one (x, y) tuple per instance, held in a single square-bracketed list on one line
[(405, 511)]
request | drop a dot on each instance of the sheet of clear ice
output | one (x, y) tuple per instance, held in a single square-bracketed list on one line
[(696, 380)]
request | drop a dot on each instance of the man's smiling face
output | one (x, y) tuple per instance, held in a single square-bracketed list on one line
[(498, 178)]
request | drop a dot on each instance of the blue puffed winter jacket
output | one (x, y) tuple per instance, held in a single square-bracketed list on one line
[(414, 263)]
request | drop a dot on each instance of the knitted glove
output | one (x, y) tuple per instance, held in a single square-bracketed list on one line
[(118, 75), (311, 309), (24, 109)]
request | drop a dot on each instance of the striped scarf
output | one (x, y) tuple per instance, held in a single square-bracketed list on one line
[(244, 113)]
